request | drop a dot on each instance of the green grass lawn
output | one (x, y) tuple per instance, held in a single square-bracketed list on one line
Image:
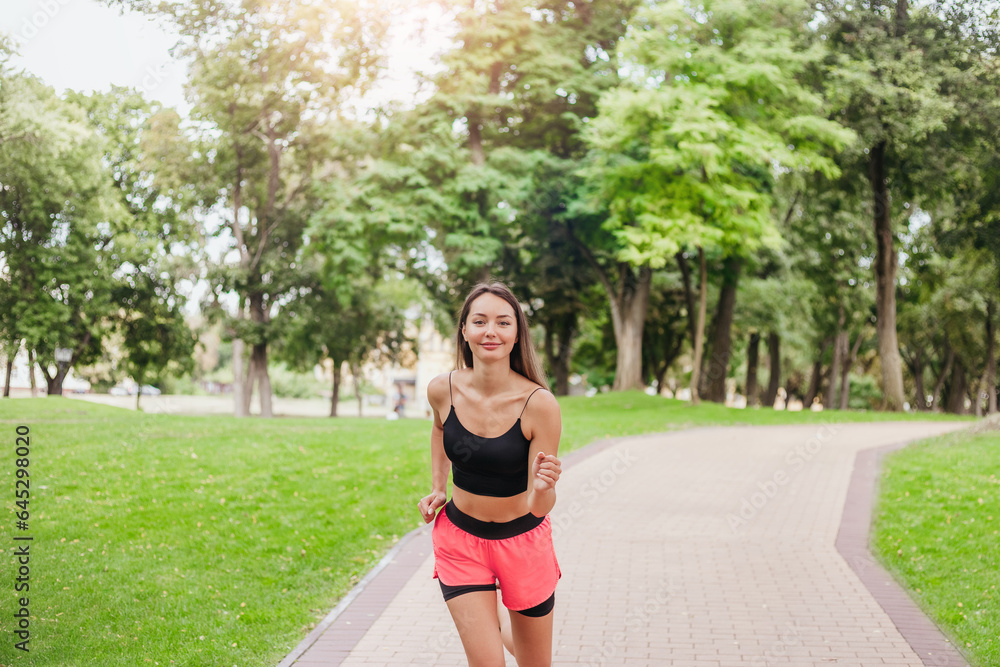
[(162, 539), (937, 529)]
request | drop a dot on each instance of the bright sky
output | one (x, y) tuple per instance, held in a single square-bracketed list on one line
[(84, 45)]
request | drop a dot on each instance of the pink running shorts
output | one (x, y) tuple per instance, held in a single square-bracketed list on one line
[(519, 554)]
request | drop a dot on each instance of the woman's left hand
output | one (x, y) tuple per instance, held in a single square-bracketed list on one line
[(545, 471)]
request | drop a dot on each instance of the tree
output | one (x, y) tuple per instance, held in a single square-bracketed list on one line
[(265, 76), (772, 308), (355, 303), (901, 76), (365, 323), (684, 151), (666, 327), (962, 304), (156, 338), (63, 230), (833, 247), (156, 238), (519, 87)]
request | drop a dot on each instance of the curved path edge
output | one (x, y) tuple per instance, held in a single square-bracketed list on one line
[(333, 638), (926, 639)]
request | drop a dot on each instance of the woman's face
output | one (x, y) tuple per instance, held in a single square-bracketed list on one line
[(490, 328)]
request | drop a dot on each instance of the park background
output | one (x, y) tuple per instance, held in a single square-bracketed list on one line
[(781, 204)]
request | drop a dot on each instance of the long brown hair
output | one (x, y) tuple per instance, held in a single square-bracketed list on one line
[(523, 358)]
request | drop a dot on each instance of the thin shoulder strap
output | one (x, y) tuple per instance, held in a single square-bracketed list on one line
[(526, 402), (452, 396)]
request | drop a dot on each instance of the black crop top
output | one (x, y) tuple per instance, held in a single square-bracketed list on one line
[(487, 466)]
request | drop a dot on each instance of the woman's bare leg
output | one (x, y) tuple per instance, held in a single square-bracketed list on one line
[(505, 631), (475, 616), (532, 639)]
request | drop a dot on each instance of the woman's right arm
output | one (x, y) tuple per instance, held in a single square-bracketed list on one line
[(440, 465)]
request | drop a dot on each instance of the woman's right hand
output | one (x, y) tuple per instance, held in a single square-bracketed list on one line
[(429, 505)]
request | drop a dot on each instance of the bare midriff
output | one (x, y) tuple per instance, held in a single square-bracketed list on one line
[(490, 508)]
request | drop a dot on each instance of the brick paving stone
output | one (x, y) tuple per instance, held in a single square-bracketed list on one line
[(707, 547)]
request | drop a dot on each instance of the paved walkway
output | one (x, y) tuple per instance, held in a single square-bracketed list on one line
[(713, 547)]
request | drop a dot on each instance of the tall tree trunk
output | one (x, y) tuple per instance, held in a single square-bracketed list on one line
[(722, 340), (845, 370), (628, 313), (845, 374), (671, 349), (356, 375), (248, 382), (45, 376), (259, 356), (660, 375), (902, 12), (335, 398), (240, 400), (957, 389), (839, 350), (692, 316), (774, 381), (699, 331), (138, 392), (949, 360), (10, 371), (258, 373), (31, 373), (886, 260), (917, 367), (559, 334), (629, 300), (815, 381), (628, 368), (753, 350), (840, 342), (991, 359), (886, 263), (703, 377)]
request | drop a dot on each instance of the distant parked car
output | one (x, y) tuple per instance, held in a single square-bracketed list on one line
[(118, 391), (149, 390)]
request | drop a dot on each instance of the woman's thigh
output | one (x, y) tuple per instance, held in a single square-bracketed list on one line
[(532, 639), (475, 616)]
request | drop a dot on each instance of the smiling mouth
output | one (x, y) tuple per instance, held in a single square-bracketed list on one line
[(491, 344)]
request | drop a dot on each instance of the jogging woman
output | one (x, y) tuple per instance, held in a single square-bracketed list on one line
[(497, 427)]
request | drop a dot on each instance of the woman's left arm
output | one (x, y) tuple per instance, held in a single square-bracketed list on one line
[(544, 468)]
